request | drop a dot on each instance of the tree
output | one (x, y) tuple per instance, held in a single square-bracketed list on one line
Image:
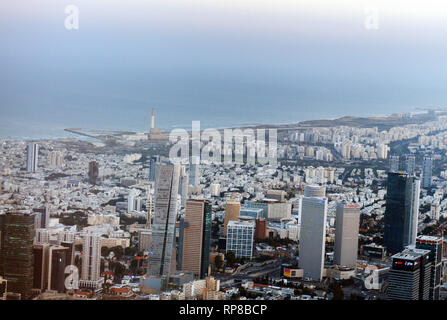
[(231, 258), (218, 261), (338, 292)]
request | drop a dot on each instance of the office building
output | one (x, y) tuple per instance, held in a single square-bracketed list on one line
[(32, 157), (427, 172), (401, 213), (153, 162), (394, 163), (196, 237), (162, 247), (313, 232), (232, 212), (346, 234), (93, 172), (44, 216), (40, 275), (194, 171), (255, 213), (434, 244), (91, 259), (409, 276), (410, 164), (55, 159), (240, 238), (16, 252), (261, 229), (59, 259)]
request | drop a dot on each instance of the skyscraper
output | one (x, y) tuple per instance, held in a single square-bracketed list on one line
[(394, 163), (163, 228), (427, 172), (196, 237), (313, 232), (401, 213), (410, 163), (40, 274), (16, 252), (32, 157), (91, 259), (232, 212), (346, 234), (409, 276), (59, 259), (93, 172), (152, 167), (194, 171), (434, 244)]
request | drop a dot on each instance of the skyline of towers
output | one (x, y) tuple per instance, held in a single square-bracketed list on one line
[(32, 157), (163, 227), (346, 234), (313, 231), (401, 212), (196, 237)]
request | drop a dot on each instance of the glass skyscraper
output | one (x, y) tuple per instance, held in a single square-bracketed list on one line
[(401, 213)]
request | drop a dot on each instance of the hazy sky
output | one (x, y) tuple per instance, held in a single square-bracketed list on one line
[(222, 62)]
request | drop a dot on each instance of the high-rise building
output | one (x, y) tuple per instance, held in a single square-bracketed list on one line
[(194, 171), (153, 162), (434, 244), (16, 252), (427, 172), (261, 229), (313, 232), (240, 238), (144, 240), (133, 202), (401, 213), (44, 216), (183, 185), (163, 228), (232, 212), (93, 172), (40, 275), (91, 257), (59, 259), (346, 234), (196, 237), (394, 163), (32, 157), (410, 164), (409, 276), (55, 159)]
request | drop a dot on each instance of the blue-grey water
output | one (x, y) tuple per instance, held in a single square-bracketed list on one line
[(225, 65)]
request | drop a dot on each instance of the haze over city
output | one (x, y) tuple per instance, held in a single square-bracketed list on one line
[(264, 61)]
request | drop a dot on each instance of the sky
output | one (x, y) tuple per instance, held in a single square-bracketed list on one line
[(222, 62)]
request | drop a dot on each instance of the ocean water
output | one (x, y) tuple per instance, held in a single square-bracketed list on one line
[(226, 65)]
